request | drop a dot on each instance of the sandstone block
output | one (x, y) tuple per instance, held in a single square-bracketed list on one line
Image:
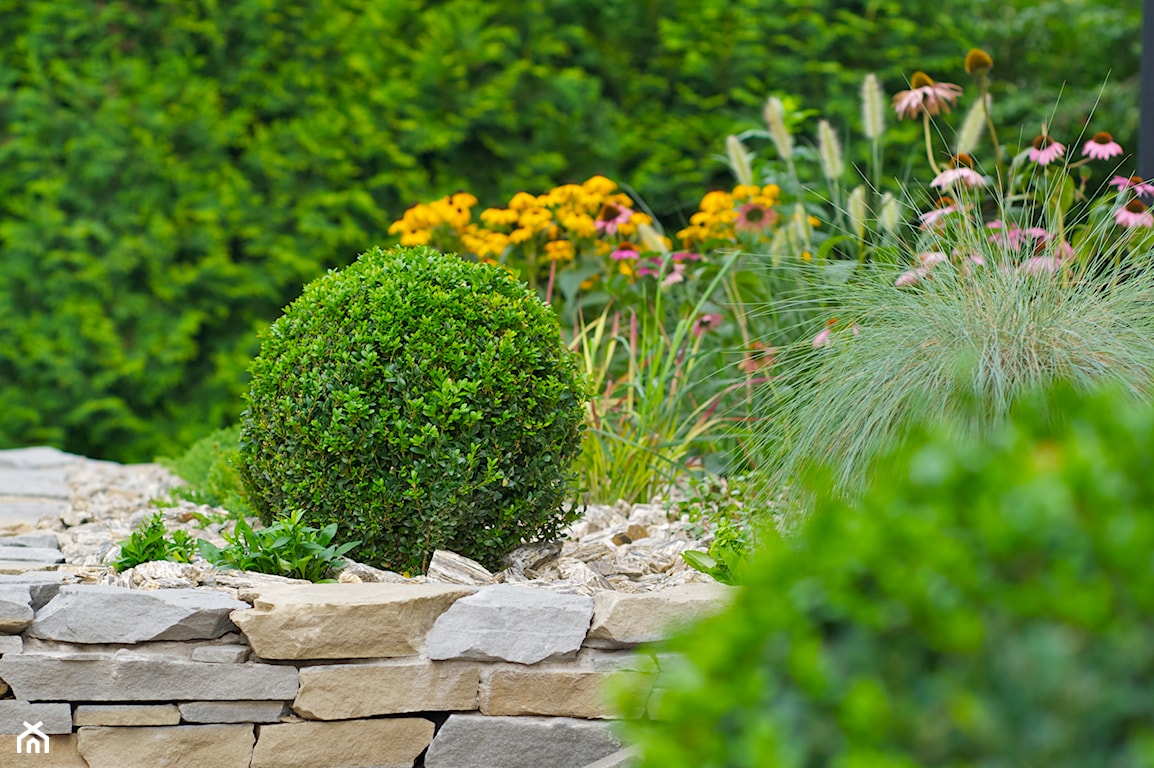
[(137, 677), (221, 654), (56, 718), (15, 609), (94, 614), (232, 711), (11, 644), (388, 743), (183, 746), (62, 753), (510, 623), (344, 621), (564, 690), (126, 714), (623, 620), (477, 741), (347, 691)]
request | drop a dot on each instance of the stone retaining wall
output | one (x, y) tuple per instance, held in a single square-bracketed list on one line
[(322, 676)]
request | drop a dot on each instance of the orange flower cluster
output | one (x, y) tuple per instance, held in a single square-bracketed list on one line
[(590, 218), (722, 217)]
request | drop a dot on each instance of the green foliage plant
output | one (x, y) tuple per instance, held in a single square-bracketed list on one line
[(652, 407), (420, 402), (150, 542), (982, 603), (289, 547), (209, 469), (715, 506)]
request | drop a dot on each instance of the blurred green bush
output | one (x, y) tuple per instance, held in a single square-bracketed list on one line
[(987, 603), (172, 173)]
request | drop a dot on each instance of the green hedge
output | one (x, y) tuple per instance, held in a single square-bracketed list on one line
[(171, 173)]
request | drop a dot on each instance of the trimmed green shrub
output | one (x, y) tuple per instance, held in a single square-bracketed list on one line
[(986, 604), (421, 402)]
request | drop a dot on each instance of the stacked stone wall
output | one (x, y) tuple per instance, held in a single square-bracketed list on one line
[(324, 676)]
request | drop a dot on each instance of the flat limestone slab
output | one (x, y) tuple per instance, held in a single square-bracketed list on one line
[(388, 743), (84, 613), (48, 483), (232, 711), (344, 621), (56, 718), (186, 746), (35, 554), (17, 567), (84, 677), (477, 741), (624, 620), (62, 753), (126, 714), (510, 623), (396, 686), (37, 457)]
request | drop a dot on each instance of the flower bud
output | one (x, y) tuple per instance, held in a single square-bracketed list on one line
[(978, 62)]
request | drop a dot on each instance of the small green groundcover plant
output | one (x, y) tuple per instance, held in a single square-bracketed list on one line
[(983, 603), (420, 402), (288, 547), (209, 469), (150, 542)]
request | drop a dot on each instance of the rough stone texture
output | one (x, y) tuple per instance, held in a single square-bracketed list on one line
[(509, 623), (93, 614), (56, 718), (183, 746), (221, 654), (42, 586), (622, 620), (622, 758), (126, 714), (344, 621), (11, 644), (15, 608), (43, 539), (137, 677), (565, 690), (389, 743), (232, 711), (347, 691), (62, 753), (477, 741)]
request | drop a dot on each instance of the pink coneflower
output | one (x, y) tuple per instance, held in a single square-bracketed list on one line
[(1134, 183), (943, 207), (759, 356), (754, 217), (610, 217), (1046, 150), (1101, 147), (1041, 265), (1134, 214), (930, 258), (686, 256), (706, 322), (675, 276), (925, 96), (1015, 238), (624, 251), (911, 277), (824, 336), (951, 176)]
